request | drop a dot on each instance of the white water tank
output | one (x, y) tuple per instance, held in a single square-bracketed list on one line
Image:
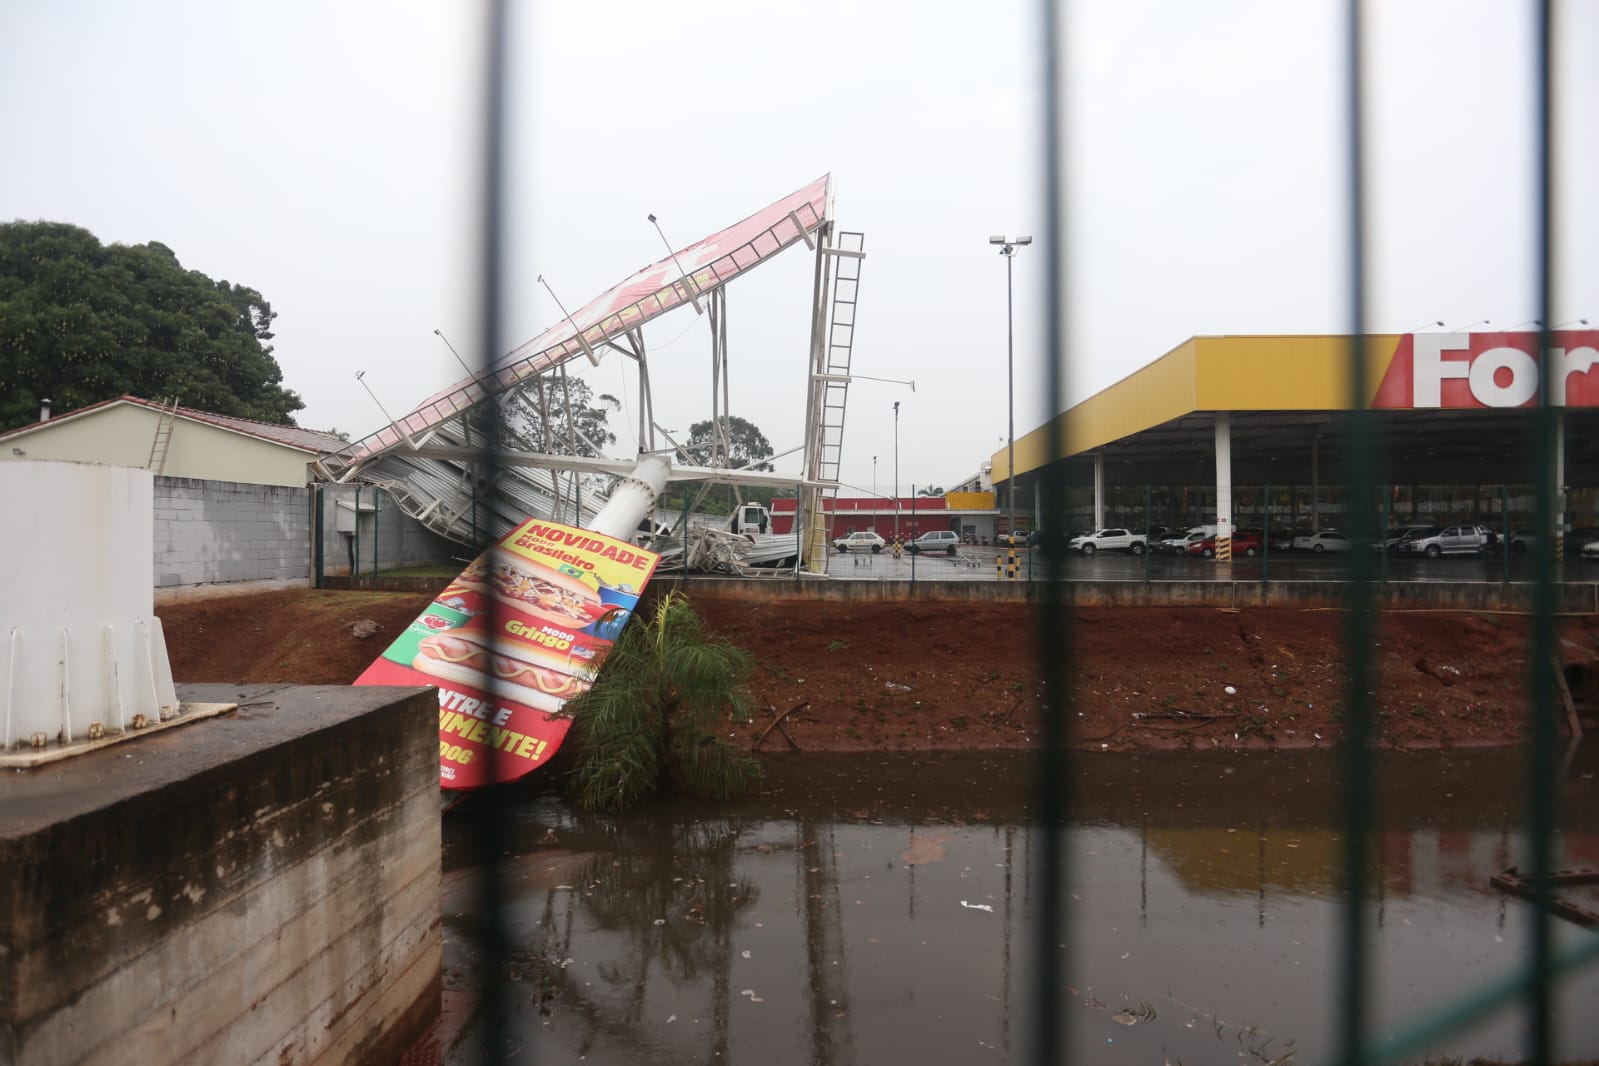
[(82, 656)]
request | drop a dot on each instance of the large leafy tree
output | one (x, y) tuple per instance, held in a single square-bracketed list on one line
[(746, 449), (82, 322), (747, 446)]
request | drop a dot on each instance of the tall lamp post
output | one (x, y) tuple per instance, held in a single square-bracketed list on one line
[(876, 501), (1007, 248), (896, 470)]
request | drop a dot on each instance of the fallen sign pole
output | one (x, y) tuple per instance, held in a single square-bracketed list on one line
[(556, 597)]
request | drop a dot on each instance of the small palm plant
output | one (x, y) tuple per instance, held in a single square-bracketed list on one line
[(654, 721)]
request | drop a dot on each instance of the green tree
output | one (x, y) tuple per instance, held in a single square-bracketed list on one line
[(82, 322), (747, 446), (559, 415), (655, 720), (747, 449)]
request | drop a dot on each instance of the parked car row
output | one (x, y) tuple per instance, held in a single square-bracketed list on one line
[(1429, 542)]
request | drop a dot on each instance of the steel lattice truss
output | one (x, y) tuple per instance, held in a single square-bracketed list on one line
[(413, 457)]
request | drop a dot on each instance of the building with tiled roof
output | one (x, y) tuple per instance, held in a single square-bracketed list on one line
[(174, 441)]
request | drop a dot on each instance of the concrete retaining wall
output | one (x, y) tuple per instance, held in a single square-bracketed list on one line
[(257, 888), (1406, 596)]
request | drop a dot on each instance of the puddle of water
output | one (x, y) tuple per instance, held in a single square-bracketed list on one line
[(881, 909)]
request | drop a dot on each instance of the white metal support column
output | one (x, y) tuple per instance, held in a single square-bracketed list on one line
[(1224, 486), (1099, 491)]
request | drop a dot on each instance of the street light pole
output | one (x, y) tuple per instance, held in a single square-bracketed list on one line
[(1007, 248), (896, 470), (876, 500)]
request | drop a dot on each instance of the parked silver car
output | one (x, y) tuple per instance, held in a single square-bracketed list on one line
[(939, 540), (1448, 540)]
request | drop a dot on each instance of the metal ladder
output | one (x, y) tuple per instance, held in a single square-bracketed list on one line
[(840, 343), (844, 259), (163, 436)]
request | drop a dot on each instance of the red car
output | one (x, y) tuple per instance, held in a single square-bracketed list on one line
[(1245, 542)]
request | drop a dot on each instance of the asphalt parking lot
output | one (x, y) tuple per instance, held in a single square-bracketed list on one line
[(978, 564)]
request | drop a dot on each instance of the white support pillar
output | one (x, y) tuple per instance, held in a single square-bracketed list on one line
[(1224, 486), (1099, 491)]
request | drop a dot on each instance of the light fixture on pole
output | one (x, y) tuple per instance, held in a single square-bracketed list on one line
[(581, 340), (1469, 325), (688, 282), (1426, 325), (360, 375), (439, 333), (1538, 322), (896, 470), (1007, 248), (1573, 322), (874, 483)]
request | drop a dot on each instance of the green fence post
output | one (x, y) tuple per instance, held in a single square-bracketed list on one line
[(355, 552), (317, 503), (1387, 527), (1265, 545), (376, 504), (1504, 522), (1147, 498)]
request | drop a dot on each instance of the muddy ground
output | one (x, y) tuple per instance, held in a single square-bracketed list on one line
[(954, 675)]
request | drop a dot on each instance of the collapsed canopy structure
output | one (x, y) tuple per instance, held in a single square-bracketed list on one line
[(424, 459)]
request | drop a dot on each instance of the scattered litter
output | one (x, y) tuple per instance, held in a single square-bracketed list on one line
[(1127, 954), (750, 992), (1230, 691), (746, 954), (660, 921), (978, 906), (1123, 1018), (670, 1019), (565, 963), (896, 688)]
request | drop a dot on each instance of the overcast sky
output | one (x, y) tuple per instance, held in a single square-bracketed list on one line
[(326, 154)]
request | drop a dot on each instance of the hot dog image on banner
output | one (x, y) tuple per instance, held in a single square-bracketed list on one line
[(560, 597)]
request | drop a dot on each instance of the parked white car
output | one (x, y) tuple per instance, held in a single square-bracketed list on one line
[(1590, 550), (1178, 545), (1328, 540), (1109, 540), (860, 541)]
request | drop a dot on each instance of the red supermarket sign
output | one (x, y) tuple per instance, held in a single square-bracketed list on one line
[(1460, 370)]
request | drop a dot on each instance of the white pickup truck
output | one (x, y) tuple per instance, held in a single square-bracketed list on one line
[(1109, 540)]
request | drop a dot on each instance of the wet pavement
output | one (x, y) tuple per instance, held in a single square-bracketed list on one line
[(978, 564), (882, 909)]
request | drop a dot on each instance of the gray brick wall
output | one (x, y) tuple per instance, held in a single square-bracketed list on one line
[(212, 532), (220, 531)]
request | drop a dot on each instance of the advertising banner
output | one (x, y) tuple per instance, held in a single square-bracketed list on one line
[(560, 597)]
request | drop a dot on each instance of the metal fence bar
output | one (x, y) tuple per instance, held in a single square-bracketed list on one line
[(493, 818), (1541, 778), (1049, 1025), (1358, 755)]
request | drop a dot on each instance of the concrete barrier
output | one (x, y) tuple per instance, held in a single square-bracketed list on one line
[(257, 888)]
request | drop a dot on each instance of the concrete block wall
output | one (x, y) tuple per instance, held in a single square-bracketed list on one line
[(223, 531)]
